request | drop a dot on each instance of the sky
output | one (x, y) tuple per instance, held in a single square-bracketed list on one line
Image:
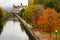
[(9, 3)]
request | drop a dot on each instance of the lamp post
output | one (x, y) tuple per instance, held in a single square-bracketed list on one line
[(56, 34)]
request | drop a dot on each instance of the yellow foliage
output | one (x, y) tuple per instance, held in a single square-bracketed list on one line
[(4, 12), (28, 11), (31, 2)]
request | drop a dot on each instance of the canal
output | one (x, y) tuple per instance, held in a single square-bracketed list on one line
[(12, 31)]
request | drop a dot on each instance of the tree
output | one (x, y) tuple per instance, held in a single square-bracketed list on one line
[(41, 1), (38, 11), (47, 21), (59, 21), (53, 4), (49, 3), (28, 12), (50, 20), (1, 15), (1, 26)]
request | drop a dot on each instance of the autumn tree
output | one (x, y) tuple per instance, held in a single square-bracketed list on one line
[(46, 21), (50, 20), (38, 11), (28, 11), (59, 21)]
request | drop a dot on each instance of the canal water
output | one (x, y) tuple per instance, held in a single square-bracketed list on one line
[(13, 31)]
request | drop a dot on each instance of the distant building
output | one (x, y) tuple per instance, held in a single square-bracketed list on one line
[(17, 9)]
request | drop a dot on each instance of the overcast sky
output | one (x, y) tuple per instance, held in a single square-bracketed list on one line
[(9, 3)]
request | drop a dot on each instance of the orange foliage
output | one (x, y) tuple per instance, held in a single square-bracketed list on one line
[(33, 20), (48, 20)]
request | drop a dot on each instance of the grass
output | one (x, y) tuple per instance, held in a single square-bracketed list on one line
[(58, 32), (55, 32), (53, 35)]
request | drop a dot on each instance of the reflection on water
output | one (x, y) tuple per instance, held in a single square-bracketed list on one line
[(12, 31), (1, 27)]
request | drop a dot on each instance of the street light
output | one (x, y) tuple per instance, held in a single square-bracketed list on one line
[(56, 34)]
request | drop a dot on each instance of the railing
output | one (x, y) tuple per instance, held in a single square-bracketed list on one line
[(5, 17), (30, 34), (1, 20)]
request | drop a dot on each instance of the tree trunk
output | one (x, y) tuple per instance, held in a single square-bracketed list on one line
[(50, 34)]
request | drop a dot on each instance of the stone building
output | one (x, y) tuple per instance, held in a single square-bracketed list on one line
[(17, 9)]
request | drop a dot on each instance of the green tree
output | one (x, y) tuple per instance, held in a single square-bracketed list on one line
[(49, 3), (1, 26), (41, 1), (53, 4), (1, 15)]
